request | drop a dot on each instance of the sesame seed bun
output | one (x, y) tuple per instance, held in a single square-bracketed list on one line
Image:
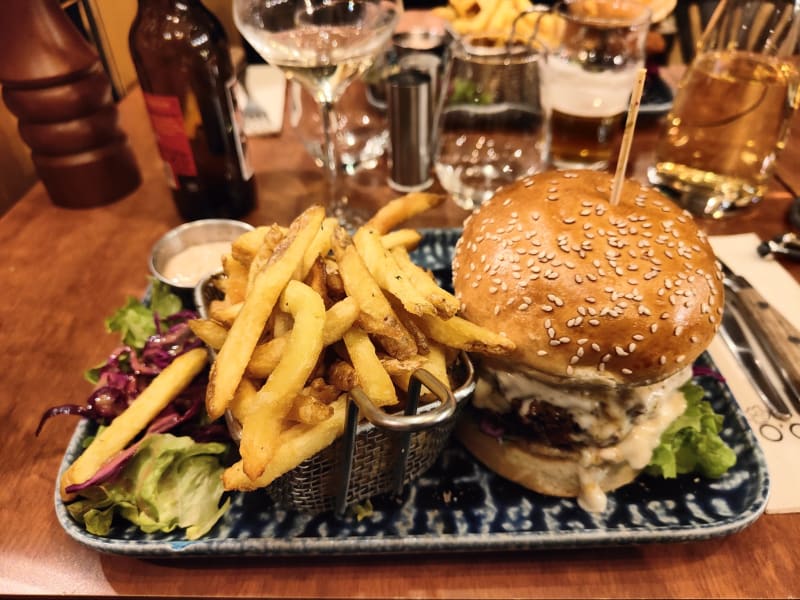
[(608, 306), (589, 291)]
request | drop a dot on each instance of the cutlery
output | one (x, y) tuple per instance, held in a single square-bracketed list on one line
[(735, 338), (786, 245), (776, 336)]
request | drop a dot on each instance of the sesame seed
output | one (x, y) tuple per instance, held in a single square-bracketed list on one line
[(542, 352)]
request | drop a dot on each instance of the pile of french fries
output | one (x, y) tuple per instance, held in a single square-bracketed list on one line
[(496, 18), (311, 311)]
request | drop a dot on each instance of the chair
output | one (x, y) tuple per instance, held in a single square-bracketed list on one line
[(691, 18)]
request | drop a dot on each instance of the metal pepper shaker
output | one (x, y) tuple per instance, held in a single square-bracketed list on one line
[(410, 113)]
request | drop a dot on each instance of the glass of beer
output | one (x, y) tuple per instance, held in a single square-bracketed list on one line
[(732, 109), (587, 77)]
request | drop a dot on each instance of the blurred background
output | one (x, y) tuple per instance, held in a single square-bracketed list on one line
[(105, 23)]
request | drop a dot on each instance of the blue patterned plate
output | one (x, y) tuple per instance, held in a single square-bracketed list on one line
[(458, 505)]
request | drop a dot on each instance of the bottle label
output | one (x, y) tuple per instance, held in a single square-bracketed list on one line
[(166, 118), (234, 93)]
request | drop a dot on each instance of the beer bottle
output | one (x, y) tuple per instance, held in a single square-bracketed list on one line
[(182, 58)]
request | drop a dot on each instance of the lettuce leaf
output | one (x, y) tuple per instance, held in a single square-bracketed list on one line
[(171, 482), (692, 443), (134, 321)]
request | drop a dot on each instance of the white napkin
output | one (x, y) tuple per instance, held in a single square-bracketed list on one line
[(780, 440), (266, 87)]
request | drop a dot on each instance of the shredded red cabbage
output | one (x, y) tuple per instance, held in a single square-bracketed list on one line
[(127, 372), (702, 371)]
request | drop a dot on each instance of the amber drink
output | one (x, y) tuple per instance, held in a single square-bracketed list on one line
[(586, 79), (729, 120)]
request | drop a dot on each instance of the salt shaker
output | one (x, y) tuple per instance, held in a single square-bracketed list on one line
[(410, 124)]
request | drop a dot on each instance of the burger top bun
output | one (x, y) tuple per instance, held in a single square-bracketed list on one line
[(589, 291)]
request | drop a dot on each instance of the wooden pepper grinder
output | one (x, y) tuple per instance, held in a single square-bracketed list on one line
[(54, 83)]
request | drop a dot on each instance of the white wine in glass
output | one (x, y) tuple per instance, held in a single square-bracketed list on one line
[(324, 45)]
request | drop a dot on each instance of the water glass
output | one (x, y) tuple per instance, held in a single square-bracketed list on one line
[(489, 125), (732, 109), (362, 133), (587, 77)]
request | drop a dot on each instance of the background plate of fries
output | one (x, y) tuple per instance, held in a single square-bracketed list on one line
[(458, 505)]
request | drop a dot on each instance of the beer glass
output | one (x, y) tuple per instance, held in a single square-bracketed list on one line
[(489, 129), (731, 112), (587, 77)]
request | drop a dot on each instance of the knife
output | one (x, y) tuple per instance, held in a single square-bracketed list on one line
[(735, 338), (777, 337)]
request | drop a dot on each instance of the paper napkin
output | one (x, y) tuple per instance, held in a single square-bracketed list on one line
[(266, 87), (780, 440)]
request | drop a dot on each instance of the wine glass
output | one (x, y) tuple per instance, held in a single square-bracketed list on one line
[(324, 45)]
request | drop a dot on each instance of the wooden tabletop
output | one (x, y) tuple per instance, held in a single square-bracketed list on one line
[(65, 270)]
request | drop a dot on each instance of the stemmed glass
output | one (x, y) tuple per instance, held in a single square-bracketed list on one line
[(324, 45)]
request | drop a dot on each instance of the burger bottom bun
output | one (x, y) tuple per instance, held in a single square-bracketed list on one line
[(536, 467)]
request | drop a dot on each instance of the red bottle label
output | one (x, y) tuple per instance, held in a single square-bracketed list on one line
[(166, 118)]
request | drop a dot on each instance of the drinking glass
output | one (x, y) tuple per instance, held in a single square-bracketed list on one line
[(489, 130), (324, 45), (587, 78), (362, 133), (731, 113)]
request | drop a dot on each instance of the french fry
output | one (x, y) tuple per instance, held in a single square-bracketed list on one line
[(445, 303), (231, 362), (407, 238), (457, 332), (124, 428), (338, 319), (377, 315), (401, 209), (372, 377), (342, 375), (272, 238), (316, 280), (211, 332), (263, 419), (308, 409), (386, 272), (223, 311), (245, 247), (235, 281), (434, 362), (294, 445), (320, 247), (401, 368)]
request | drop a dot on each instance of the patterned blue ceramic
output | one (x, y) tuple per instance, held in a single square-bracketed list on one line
[(460, 506)]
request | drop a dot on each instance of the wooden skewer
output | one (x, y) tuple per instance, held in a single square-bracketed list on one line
[(627, 136)]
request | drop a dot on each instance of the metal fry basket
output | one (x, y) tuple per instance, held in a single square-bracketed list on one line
[(378, 455)]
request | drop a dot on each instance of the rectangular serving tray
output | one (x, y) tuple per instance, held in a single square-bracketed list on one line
[(459, 506)]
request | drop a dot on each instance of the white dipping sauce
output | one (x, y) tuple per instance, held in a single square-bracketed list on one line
[(190, 265)]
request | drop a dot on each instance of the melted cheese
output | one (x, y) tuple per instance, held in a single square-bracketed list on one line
[(635, 449), (661, 402), (602, 412)]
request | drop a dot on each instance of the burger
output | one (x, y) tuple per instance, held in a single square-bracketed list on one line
[(608, 305)]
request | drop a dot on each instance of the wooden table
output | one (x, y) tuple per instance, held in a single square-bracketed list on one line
[(66, 270)]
